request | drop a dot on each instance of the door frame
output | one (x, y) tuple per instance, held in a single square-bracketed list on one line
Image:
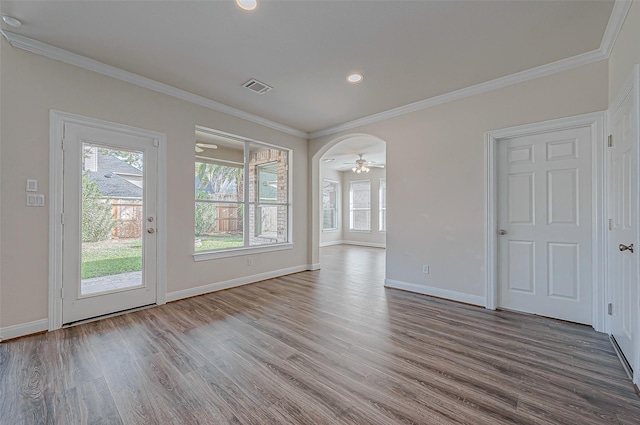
[(57, 120), (596, 122), (630, 87)]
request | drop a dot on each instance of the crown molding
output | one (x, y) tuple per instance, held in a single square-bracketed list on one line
[(616, 19), (80, 61), (498, 83)]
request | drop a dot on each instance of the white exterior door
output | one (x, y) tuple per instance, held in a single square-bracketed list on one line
[(109, 222), (623, 212), (544, 221)]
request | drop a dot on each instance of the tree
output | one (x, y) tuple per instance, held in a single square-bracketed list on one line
[(218, 179), (97, 213)]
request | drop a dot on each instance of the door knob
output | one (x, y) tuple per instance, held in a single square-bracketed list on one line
[(623, 247), (502, 232), (150, 230)]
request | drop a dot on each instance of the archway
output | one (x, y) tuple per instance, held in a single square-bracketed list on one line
[(359, 142)]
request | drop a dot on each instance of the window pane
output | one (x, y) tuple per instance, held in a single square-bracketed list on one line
[(361, 194), (218, 226), (360, 205), (329, 219), (268, 174), (329, 205), (217, 182), (268, 224), (360, 220), (382, 225)]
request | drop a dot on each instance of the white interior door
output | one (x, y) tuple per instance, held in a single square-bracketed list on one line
[(623, 210), (544, 221), (109, 218)]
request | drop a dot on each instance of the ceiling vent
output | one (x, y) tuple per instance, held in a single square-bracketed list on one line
[(257, 86)]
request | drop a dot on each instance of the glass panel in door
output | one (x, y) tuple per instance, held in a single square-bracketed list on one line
[(112, 220)]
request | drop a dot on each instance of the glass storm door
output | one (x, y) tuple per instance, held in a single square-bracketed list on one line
[(109, 232)]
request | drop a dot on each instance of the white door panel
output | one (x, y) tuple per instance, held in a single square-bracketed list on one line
[(544, 205), (117, 270), (623, 278)]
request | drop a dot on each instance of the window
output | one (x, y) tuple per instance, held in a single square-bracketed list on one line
[(329, 205), (382, 196), (360, 206), (241, 193)]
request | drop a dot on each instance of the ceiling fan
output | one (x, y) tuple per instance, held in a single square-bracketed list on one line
[(363, 166), (200, 147)]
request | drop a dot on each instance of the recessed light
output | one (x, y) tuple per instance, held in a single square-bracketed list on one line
[(247, 4), (354, 77), (11, 21)]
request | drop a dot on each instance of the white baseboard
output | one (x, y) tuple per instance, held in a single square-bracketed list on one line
[(312, 267), (369, 244), (16, 331), (436, 292), (227, 284), (323, 244)]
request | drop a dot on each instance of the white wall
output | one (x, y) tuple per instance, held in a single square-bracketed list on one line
[(31, 86), (436, 209), (332, 237), (373, 237)]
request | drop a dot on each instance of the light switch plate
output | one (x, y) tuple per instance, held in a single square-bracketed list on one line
[(35, 200), (32, 185)]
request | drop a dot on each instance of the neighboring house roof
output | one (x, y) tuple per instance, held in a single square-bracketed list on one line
[(111, 184), (115, 165)]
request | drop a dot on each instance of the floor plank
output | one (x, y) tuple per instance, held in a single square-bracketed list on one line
[(325, 347)]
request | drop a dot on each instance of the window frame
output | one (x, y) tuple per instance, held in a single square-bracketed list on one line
[(382, 207), (336, 208), (352, 209), (249, 204)]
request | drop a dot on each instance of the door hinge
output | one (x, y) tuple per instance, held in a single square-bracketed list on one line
[(62, 144), (62, 218), (610, 224), (156, 143), (61, 293), (610, 141), (610, 309)]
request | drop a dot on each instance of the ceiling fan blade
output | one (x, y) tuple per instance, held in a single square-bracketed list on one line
[(199, 149), (206, 145)]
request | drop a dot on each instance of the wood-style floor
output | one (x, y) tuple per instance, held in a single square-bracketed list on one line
[(324, 347)]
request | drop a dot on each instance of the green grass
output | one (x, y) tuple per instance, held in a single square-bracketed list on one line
[(220, 242), (110, 257)]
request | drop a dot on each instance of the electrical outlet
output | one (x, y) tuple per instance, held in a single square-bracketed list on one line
[(425, 269), (250, 261)]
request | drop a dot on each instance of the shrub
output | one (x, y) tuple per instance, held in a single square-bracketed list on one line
[(97, 213)]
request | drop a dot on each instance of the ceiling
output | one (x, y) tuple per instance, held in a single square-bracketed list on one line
[(407, 50)]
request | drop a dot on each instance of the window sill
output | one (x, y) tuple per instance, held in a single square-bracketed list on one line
[(330, 230), (359, 231), (214, 255)]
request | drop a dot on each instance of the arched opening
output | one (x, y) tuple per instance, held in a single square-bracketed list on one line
[(337, 158)]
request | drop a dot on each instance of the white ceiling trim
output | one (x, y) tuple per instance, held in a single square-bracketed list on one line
[(498, 83), (80, 61), (618, 15)]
